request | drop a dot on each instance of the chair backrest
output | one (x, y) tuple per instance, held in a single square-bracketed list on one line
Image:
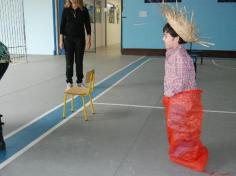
[(89, 80)]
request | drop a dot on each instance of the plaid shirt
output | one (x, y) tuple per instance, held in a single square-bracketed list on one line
[(4, 54), (179, 72)]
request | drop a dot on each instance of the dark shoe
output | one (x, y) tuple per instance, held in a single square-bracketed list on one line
[(2, 145), (2, 142)]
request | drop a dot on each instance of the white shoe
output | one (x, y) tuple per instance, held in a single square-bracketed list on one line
[(81, 85), (68, 86)]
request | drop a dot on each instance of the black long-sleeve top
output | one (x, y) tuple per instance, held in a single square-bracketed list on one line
[(74, 22)]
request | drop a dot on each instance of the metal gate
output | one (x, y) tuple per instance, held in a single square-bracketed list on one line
[(12, 29)]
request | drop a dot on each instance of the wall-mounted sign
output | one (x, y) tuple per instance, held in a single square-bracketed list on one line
[(226, 0), (158, 1)]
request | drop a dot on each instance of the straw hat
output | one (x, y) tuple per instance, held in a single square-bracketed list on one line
[(186, 29)]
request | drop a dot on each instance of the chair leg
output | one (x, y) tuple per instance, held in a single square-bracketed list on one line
[(64, 108), (85, 111), (72, 104), (91, 104)]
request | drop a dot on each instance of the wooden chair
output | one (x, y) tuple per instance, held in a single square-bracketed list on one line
[(82, 92)]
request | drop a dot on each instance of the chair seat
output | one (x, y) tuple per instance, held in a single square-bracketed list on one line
[(82, 92), (77, 91)]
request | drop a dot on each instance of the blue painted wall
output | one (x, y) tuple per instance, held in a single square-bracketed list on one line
[(215, 22)]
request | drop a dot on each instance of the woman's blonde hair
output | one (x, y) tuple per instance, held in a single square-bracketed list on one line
[(79, 2)]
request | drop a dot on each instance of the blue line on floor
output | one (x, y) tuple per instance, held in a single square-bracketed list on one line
[(27, 135)]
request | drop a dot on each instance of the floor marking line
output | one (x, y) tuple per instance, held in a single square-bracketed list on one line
[(159, 107), (221, 66), (23, 139), (37, 140), (60, 105), (121, 79), (130, 105)]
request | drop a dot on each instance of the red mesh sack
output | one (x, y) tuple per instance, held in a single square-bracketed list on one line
[(184, 122)]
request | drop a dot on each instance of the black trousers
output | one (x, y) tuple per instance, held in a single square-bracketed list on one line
[(74, 51), (3, 68)]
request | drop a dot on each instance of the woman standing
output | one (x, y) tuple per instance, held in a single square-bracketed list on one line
[(75, 19)]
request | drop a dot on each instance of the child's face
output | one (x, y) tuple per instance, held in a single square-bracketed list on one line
[(169, 41)]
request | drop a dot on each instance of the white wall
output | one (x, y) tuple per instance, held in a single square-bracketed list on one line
[(100, 33), (39, 26)]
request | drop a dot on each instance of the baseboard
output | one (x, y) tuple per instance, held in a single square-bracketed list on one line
[(161, 52)]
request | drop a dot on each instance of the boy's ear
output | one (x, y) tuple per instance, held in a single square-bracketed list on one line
[(177, 39)]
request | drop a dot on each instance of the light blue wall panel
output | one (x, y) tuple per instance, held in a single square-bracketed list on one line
[(215, 22)]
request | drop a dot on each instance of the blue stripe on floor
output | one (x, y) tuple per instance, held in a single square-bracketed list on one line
[(24, 137)]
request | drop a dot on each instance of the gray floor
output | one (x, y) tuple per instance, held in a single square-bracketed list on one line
[(127, 135)]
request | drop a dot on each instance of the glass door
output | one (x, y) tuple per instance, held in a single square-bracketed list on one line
[(91, 6)]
